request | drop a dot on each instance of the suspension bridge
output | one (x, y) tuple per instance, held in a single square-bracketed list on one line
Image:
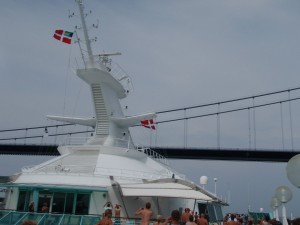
[(263, 127)]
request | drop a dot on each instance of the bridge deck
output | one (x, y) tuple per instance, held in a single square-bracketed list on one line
[(263, 155)]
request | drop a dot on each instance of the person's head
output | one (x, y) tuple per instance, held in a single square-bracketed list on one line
[(28, 222), (108, 213), (232, 217), (158, 218), (175, 215), (148, 205), (191, 218), (45, 204)]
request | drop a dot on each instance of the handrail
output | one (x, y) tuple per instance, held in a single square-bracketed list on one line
[(117, 142), (96, 171), (79, 219)]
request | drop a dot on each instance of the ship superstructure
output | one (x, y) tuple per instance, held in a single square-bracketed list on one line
[(108, 167)]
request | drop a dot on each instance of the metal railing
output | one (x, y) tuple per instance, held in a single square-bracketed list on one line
[(116, 142), (98, 171), (9, 217)]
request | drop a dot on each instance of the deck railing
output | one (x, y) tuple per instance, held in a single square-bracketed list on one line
[(116, 142), (8, 217)]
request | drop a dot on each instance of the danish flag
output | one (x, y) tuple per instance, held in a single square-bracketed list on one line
[(64, 36), (148, 124)]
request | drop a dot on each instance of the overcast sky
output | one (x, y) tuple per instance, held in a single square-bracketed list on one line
[(178, 53)]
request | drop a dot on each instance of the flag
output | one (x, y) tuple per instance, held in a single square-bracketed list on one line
[(148, 124), (64, 36)]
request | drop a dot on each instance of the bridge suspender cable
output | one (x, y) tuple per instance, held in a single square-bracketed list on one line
[(282, 130), (291, 121)]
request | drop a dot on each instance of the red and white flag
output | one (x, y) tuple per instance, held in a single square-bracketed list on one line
[(148, 124), (64, 36)]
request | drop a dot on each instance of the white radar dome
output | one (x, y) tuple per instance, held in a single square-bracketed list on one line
[(203, 180)]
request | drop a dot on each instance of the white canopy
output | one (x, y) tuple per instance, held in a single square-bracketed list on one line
[(171, 188)]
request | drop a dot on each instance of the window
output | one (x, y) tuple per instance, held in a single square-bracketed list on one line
[(69, 203), (58, 204), (82, 203), (23, 201)]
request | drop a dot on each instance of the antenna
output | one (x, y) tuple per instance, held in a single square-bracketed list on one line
[(85, 32)]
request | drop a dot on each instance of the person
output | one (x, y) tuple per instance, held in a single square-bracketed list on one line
[(117, 213), (158, 220), (28, 222), (117, 210), (106, 220), (185, 216), (296, 221), (145, 213), (266, 220), (174, 218), (233, 220), (202, 220), (31, 207), (45, 208), (196, 217), (108, 205), (191, 221)]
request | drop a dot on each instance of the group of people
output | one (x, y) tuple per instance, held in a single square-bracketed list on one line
[(44, 209), (108, 207), (243, 219), (187, 218)]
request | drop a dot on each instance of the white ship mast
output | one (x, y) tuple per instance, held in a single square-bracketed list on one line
[(107, 89)]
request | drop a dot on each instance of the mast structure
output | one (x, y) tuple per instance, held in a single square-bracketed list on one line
[(107, 82), (85, 33)]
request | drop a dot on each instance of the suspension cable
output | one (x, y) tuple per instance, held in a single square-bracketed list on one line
[(229, 101)]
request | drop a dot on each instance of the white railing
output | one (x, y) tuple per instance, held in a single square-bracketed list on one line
[(152, 154), (116, 142), (117, 72), (98, 171), (74, 141), (131, 173)]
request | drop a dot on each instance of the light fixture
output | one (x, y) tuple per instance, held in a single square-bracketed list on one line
[(283, 194), (292, 170), (275, 203), (215, 180)]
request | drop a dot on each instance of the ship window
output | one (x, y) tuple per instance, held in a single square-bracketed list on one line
[(219, 212), (23, 201), (202, 208), (69, 203), (211, 212), (58, 204), (82, 203)]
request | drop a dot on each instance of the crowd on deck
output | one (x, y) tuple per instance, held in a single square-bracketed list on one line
[(188, 217), (244, 219)]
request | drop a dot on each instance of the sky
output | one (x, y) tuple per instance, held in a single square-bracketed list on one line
[(178, 54)]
